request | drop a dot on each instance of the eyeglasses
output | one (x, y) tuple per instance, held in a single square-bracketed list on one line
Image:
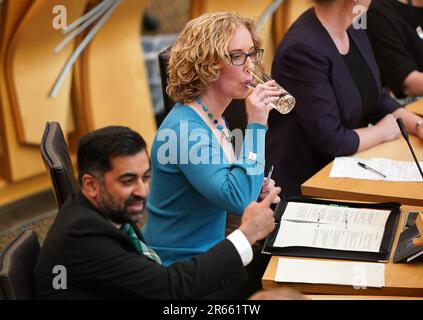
[(239, 58)]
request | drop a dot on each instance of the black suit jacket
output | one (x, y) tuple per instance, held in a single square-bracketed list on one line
[(102, 263)]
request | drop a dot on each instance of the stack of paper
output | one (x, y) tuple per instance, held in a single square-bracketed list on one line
[(357, 274), (347, 167), (331, 227)]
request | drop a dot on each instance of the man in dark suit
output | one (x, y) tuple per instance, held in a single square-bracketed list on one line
[(94, 249)]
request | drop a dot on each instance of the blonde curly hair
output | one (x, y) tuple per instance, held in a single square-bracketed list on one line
[(200, 51)]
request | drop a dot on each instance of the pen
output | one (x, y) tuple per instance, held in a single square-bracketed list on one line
[(269, 174), (365, 166)]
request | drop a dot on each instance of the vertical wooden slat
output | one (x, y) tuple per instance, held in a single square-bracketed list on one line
[(114, 78), (32, 68), (14, 163)]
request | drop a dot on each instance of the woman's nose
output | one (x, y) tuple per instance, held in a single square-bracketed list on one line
[(249, 64)]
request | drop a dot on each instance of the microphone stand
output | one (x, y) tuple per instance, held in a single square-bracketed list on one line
[(405, 135)]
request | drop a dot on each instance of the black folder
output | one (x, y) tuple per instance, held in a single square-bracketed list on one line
[(296, 251)]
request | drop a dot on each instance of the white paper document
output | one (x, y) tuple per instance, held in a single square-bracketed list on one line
[(357, 274), (331, 227), (347, 167)]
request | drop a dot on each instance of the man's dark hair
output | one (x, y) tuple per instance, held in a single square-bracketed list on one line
[(97, 148)]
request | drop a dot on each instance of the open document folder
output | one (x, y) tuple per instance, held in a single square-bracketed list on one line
[(331, 227), (308, 227), (375, 169)]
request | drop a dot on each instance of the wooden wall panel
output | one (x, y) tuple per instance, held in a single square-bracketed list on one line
[(33, 67), (113, 74), (18, 161)]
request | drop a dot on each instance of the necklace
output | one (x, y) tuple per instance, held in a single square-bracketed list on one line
[(224, 131)]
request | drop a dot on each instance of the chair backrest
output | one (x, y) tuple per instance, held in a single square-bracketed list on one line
[(17, 264), (56, 157), (235, 113), (163, 62)]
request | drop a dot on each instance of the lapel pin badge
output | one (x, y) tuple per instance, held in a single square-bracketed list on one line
[(252, 156)]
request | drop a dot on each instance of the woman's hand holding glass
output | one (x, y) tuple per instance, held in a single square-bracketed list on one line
[(260, 100), (286, 101)]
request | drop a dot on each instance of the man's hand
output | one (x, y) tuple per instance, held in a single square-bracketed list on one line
[(257, 220)]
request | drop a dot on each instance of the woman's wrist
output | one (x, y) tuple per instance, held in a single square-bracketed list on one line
[(382, 135), (263, 123), (257, 125), (257, 119)]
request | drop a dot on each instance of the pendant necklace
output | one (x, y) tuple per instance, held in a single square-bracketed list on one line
[(223, 130)]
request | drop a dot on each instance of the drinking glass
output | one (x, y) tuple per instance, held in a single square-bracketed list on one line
[(285, 103)]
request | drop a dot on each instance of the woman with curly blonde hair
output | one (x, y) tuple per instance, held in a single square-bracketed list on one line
[(196, 58), (196, 179)]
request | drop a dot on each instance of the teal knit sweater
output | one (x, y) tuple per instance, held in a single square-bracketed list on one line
[(193, 185)]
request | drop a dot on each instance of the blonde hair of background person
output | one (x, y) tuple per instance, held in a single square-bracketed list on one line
[(196, 57)]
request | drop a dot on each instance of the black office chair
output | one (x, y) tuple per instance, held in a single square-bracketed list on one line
[(17, 264), (56, 158), (235, 113), (163, 62)]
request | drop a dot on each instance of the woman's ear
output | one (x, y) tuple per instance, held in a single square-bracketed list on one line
[(90, 186)]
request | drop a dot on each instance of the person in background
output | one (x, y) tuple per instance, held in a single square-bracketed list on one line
[(326, 62), (395, 29), (96, 239), (196, 178)]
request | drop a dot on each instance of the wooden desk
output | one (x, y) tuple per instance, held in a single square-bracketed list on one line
[(410, 193), (400, 279), (416, 107)]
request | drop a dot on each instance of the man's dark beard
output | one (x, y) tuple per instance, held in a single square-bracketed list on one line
[(116, 213)]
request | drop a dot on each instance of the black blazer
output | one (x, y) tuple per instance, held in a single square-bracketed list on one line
[(320, 127), (392, 30), (102, 263)]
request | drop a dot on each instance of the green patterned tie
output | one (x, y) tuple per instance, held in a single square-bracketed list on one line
[(141, 246)]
